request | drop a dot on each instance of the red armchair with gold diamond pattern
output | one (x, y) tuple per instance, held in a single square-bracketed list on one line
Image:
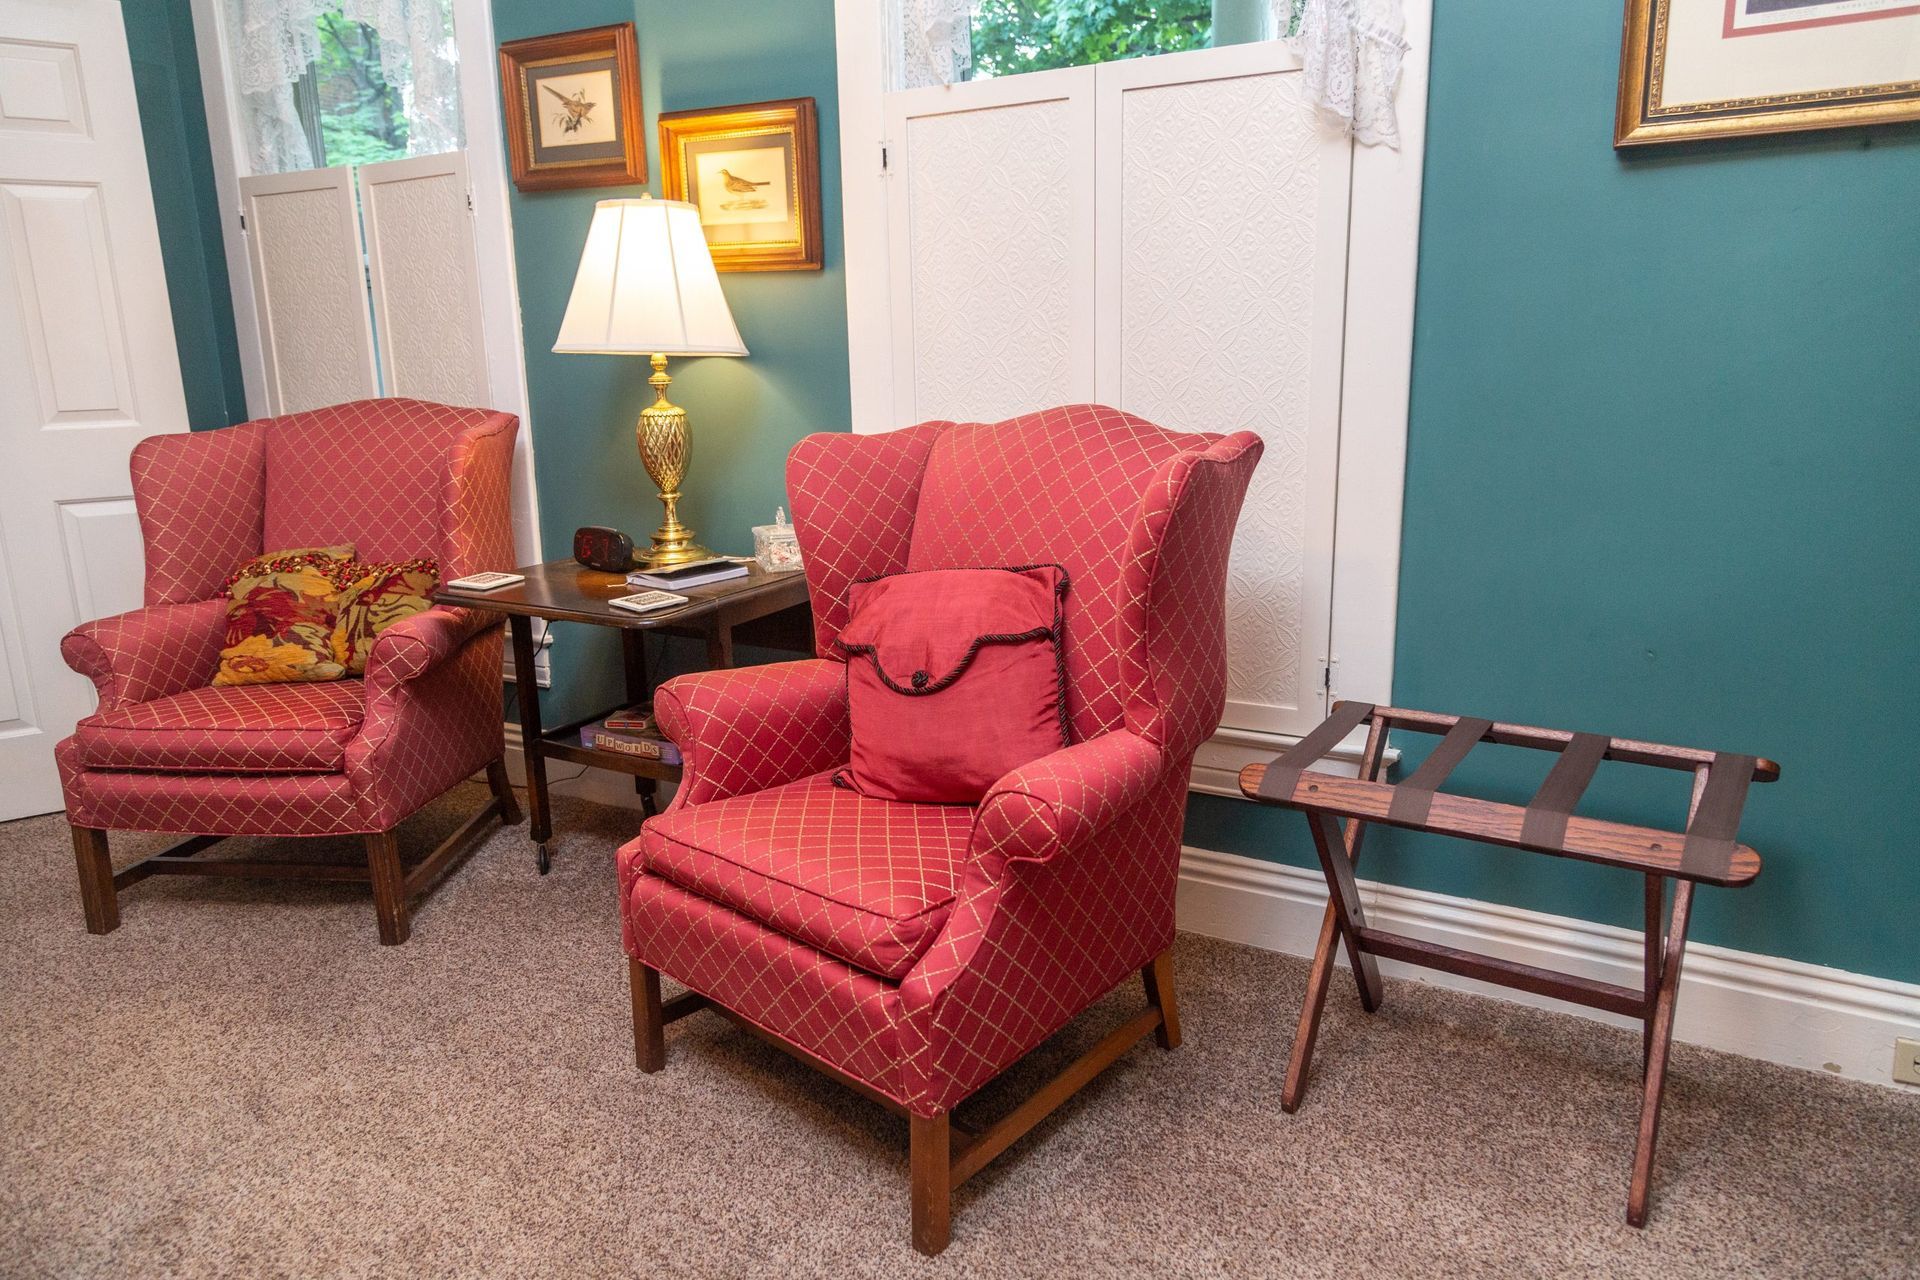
[(917, 951), (167, 751)]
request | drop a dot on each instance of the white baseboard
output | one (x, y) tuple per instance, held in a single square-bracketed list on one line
[(1784, 1011)]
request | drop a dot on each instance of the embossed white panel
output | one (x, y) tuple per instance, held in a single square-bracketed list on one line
[(106, 562), (426, 285), (1223, 230), (62, 268), (994, 247), (40, 88), (310, 288)]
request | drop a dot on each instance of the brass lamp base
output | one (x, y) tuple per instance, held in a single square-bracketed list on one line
[(666, 448)]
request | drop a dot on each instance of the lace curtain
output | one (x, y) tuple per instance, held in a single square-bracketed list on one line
[(271, 44), (1351, 52), (937, 38)]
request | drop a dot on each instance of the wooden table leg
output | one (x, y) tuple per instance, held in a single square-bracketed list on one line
[(1661, 1035), (526, 689), (720, 646), (633, 661)]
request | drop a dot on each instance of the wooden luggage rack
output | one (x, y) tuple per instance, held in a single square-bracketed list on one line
[(1705, 852)]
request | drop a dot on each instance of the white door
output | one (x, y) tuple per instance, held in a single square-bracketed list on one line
[(426, 283), (309, 288), (87, 363), (1222, 234), (1167, 235), (990, 218)]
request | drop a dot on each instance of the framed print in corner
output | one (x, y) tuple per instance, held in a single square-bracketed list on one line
[(753, 172), (1718, 68), (573, 109)]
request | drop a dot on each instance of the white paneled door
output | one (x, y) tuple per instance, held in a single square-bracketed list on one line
[(426, 282), (309, 288), (1167, 235), (990, 217), (1221, 290), (87, 363)]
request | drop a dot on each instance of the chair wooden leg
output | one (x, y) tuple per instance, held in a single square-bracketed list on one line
[(98, 897), (503, 792), (389, 888), (1158, 979), (649, 1027), (932, 1169)]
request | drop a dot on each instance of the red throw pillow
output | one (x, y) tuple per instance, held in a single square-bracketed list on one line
[(954, 677)]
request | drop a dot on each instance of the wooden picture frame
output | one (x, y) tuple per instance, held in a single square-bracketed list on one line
[(1722, 68), (572, 104), (766, 216)]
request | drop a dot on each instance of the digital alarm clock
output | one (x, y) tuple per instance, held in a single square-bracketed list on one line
[(598, 547)]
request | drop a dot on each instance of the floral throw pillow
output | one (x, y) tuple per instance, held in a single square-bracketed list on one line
[(281, 617), (378, 596)]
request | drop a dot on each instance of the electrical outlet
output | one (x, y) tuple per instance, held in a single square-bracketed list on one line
[(1906, 1061)]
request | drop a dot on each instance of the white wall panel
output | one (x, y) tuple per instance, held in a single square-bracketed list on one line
[(994, 232), (1222, 272), (310, 288), (426, 284)]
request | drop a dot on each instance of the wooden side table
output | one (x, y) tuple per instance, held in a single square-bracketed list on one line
[(768, 610), (1704, 852)]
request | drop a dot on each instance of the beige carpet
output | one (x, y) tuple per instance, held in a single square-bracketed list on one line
[(240, 1082)]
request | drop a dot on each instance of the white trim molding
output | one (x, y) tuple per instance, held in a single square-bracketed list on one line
[(1784, 1011)]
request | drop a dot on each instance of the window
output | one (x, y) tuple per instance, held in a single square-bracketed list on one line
[(319, 83), (349, 112), (944, 41)]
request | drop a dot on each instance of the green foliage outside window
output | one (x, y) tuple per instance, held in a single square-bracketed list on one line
[(362, 120), (1012, 36)]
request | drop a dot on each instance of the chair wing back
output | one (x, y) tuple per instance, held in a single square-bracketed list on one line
[(397, 478), (1142, 518), (853, 503), (201, 498), (1176, 591)]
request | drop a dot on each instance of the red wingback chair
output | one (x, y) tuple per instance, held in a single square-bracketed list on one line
[(916, 951), (167, 751)]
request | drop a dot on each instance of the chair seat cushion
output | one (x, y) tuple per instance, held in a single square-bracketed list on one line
[(248, 728), (868, 881)]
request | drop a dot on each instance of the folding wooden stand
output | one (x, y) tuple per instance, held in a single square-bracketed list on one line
[(1704, 853)]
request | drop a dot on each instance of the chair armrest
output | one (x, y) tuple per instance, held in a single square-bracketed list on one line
[(413, 646), (750, 728), (149, 653), (1064, 799)]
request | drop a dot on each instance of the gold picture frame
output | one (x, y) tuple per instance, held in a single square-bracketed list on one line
[(753, 172), (572, 104), (1717, 47)]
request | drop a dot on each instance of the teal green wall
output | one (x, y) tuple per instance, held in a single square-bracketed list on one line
[(1664, 462), (746, 413), (173, 122)]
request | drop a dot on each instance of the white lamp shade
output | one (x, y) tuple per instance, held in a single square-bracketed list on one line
[(647, 286)]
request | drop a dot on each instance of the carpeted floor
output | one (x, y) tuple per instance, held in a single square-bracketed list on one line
[(240, 1082)]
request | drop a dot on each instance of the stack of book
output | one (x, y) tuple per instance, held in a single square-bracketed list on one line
[(695, 573), (632, 732)]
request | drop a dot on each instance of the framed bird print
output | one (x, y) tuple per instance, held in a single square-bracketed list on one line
[(753, 172), (573, 109), (1715, 68)]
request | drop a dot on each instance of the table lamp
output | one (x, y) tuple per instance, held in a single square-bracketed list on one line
[(647, 287)]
